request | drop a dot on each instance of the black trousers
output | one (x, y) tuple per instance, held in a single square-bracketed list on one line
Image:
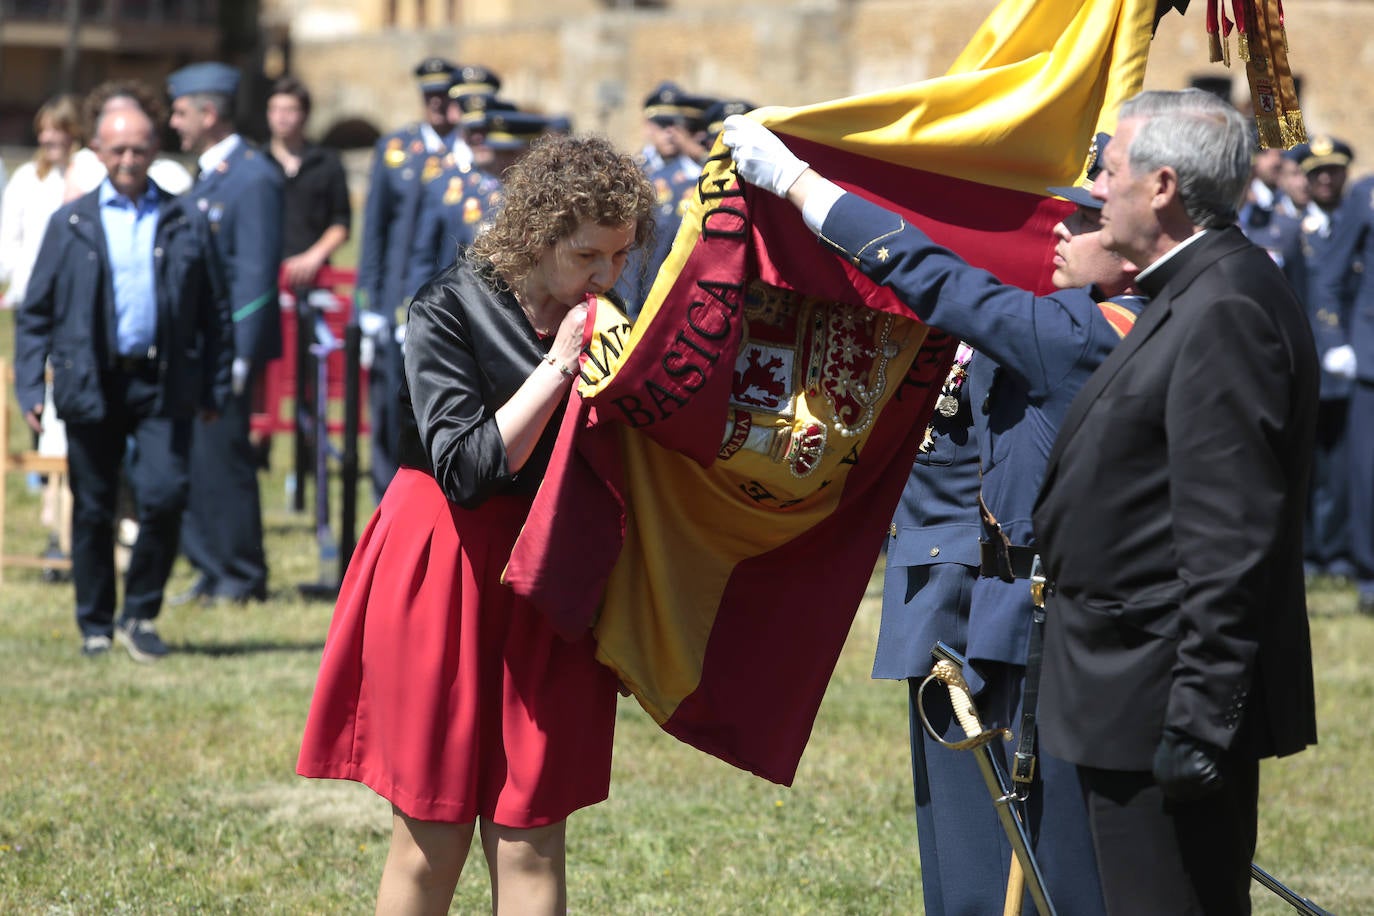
[(1158, 857), (222, 531), (157, 468)]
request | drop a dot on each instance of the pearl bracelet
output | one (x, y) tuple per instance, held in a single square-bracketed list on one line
[(567, 373)]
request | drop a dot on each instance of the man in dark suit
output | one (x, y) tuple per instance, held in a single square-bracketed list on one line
[(1033, 354), (240, 191), (1177, 651), (125, 301)]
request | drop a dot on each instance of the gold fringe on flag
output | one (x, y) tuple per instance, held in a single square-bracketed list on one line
[(1262, 42)]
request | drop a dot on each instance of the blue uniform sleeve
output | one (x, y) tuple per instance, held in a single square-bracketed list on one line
[(256, 247), (423, 260), (1037, 338), (372, 251)]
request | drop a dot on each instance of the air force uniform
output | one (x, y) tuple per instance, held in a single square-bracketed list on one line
[(240, 193), (1343, 302), (1033, 354), (403, 162)]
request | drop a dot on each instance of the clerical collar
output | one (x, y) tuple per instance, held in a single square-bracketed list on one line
[(1144, 274)]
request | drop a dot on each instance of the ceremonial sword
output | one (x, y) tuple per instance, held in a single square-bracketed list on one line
[(948, 670)]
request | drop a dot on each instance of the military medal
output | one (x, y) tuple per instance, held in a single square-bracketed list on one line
[(947, 404)]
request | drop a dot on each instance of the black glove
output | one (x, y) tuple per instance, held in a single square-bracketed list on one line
[(1186, 768)]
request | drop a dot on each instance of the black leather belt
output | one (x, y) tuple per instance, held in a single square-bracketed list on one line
[(1017, 557)]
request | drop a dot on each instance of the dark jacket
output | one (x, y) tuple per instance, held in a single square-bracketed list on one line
[(468, 349), (1171, 523), (68, 314)]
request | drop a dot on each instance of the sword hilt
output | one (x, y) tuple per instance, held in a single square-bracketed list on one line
[(948, 672)]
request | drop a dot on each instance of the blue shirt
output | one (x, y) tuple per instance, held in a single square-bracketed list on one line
[(130, 227)]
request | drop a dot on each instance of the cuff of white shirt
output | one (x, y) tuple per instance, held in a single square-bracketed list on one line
[(818, 204)]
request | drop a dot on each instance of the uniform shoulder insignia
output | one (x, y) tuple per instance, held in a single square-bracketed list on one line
[(1119, 317), (395, 155)]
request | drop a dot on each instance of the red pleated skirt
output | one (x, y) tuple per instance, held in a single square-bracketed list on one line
[(444, 692)]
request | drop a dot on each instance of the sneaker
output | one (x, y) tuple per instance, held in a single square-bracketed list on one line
[(95, 646), (141, 639)]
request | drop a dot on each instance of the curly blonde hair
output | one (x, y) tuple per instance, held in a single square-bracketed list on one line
[(561, 183)]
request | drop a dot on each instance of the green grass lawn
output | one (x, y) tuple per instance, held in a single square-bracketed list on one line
[(170, 788)]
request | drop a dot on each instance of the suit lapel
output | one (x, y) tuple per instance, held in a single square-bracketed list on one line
[(1154, 315), (1187, 266)]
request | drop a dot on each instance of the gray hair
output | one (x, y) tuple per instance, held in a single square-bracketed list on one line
[(1206, 141)]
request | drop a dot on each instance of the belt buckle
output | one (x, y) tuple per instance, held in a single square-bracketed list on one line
[(1037, 582)]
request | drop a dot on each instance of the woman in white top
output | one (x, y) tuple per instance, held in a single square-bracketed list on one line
[(35, 191)]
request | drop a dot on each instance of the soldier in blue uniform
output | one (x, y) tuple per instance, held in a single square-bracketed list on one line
[(470, 81), (1326, 528), (1342, 303), (1034, 354), (674, 124), (403, 161), (240, 192), (462, 200)]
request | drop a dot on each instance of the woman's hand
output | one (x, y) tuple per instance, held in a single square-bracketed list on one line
[(567, 343)]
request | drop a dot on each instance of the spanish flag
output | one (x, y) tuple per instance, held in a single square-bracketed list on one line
[(728, 466)]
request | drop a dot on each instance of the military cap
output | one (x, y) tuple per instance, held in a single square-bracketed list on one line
[(1081, 193), (476, 109), (434, 74), (473, 80), (210, 76), (507, 130), (670, 104), (1321, 150), (720, 110)]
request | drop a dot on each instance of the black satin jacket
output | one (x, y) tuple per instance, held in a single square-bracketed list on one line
[(468, 348)]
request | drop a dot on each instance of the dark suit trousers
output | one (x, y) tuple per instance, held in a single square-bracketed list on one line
[(222, 532), (1160, 857), (157, 468)]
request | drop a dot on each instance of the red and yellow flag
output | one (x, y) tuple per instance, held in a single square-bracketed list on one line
[(728, 466)]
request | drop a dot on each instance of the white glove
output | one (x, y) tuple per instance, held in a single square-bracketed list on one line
[(238, 375), (760, 157), (371, 323), (1340, 361), (367, 352)]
